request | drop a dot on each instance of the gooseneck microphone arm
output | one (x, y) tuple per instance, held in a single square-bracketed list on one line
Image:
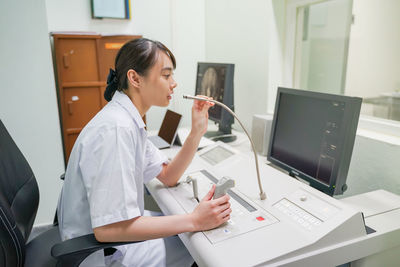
[(262, 193)]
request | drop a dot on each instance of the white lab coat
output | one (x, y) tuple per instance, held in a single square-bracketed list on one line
[(108, 166)]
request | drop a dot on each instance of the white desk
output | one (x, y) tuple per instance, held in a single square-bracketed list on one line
[(339, 237)]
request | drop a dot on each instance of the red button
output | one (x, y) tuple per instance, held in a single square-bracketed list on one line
[(259, 218)]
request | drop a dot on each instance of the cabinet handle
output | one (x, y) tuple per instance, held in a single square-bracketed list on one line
[(69, 104), (66, 60)]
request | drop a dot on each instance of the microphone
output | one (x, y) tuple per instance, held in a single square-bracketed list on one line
[(262, 193)]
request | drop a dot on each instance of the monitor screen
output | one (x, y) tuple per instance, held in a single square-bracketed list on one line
[(312, 136), (216, 80)]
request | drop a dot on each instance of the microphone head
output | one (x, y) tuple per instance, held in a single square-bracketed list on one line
[(193, 97)]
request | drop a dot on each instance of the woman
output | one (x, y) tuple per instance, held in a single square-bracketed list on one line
[(112, 159)]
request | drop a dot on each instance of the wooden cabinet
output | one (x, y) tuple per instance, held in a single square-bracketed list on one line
[(82, 63)]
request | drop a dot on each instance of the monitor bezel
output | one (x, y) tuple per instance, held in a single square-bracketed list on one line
[(228, 98), (347, 135)]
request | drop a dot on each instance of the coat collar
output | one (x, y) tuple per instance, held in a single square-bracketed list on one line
[(123, 100)]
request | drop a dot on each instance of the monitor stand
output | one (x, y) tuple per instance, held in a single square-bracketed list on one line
[(223, 134)]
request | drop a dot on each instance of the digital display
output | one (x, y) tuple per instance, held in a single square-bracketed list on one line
[(306, 135), (211, 82), (216, 80)]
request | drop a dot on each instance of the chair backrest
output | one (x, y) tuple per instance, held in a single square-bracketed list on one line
[(19, 199)]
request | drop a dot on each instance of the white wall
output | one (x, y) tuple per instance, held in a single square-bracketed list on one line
[(276, 38), (188, 44), (28, 103), (75, 15), (237, 32)]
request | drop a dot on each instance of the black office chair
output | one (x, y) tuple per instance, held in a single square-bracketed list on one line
[(19, 199)]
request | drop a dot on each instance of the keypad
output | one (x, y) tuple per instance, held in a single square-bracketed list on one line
[(299, 215)]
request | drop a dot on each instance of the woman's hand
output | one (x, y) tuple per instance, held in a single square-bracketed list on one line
[(211, 213), (200, 116)]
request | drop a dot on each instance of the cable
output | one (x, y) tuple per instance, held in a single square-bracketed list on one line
[(262, 193)]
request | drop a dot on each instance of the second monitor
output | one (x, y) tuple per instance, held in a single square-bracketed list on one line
[(312, 137), (216, 80)]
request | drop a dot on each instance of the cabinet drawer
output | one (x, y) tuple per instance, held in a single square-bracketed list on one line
[(81, 104), (77, 60)]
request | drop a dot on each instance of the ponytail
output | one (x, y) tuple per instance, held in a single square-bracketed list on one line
[(112, 85)]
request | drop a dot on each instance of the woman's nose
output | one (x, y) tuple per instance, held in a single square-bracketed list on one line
[(174, 84)]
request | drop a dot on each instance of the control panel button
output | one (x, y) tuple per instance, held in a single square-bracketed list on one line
[(298, 214)]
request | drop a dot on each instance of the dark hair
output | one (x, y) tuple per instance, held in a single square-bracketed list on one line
[(139, 55)]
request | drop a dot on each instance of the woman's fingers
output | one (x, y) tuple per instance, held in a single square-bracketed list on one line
[(224, 207), (200, 104), (210, 193), (226, 214), (222, 200)]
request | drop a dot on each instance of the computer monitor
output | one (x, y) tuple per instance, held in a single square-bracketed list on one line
[(312, 137), (216, 80)]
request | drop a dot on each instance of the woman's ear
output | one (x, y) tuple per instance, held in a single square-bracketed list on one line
[(134, 78)]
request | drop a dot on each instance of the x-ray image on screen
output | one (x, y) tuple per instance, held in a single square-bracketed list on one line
[(211, 82), (216, 80)]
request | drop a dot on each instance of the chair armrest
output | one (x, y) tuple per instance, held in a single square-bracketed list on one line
[(73, 251)]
